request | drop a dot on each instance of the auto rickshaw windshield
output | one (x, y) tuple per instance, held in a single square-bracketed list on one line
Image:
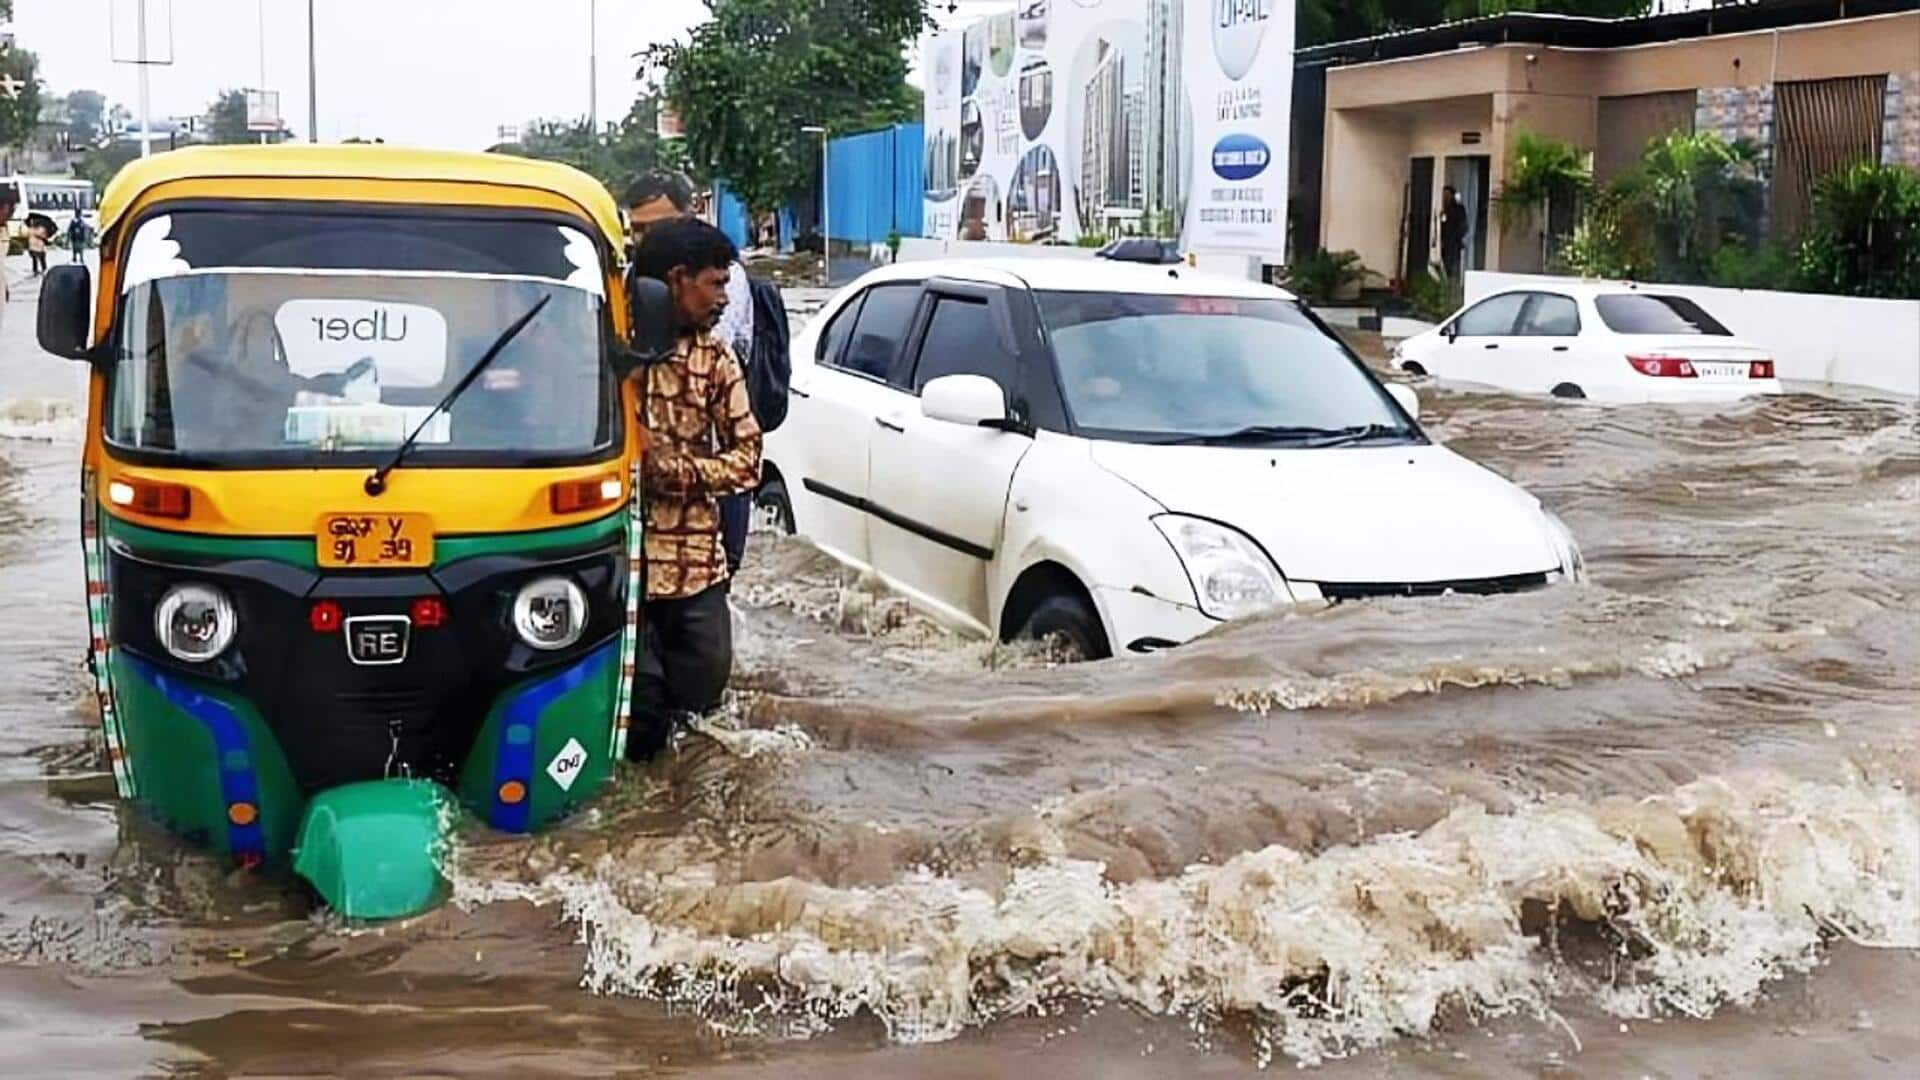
[(273, 362)]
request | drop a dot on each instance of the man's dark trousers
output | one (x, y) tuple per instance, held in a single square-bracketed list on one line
[(685, 658)]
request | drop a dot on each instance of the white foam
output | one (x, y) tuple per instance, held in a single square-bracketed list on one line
[(1708, 893)]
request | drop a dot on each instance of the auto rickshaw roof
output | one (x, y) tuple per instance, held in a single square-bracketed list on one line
[(359, 162)]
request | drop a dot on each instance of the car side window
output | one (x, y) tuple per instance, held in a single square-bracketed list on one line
[(879, 329), (833, 340), (961, 340), (1492, 317), (1550, 315)]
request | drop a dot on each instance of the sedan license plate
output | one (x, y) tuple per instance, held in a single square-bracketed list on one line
[(375, 541), (1709, 370)]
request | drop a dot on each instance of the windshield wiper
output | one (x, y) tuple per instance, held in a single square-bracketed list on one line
[(1361, 433), (1253, 433), (377, 482)]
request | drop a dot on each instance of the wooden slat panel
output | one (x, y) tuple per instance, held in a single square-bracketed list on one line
[(1820, 128), (1628, 124)]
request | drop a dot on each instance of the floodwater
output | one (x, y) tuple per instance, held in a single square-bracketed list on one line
[(1662, 824)]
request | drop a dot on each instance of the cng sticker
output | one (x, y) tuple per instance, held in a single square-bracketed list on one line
[(566, 765)]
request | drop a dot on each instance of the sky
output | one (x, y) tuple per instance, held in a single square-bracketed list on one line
[(446, 73)]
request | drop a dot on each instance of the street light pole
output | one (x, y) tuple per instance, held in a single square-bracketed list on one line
[(313, 84), (146, 116), (593, 67), (826, 208)]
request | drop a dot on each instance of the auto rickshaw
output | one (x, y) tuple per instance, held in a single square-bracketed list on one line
[(359, 505)]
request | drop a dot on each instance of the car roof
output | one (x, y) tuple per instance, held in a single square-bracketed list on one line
[(1063, 274), (1585, 287), (360, 162)]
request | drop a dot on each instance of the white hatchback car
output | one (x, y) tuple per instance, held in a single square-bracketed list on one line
[(1608, 342), (1125, 456)]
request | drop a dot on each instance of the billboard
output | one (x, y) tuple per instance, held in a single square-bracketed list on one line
[(1059, 119)]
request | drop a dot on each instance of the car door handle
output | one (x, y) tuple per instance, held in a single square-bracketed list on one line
[(1563, 348), (1492, 346), (889, 425)]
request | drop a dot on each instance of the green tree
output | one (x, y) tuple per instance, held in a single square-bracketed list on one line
[(86, 117), (757, 71), (1700, 190), (1322, 21), (227, 119), (20, 111), (614, 157)]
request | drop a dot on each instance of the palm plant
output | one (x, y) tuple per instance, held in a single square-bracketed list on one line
[(1865, 239), (1699, 189), (1541, 172)]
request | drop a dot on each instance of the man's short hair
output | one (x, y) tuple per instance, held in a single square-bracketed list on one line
[(684, 242), (661, 184)]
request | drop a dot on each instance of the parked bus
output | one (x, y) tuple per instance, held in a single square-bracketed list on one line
[(56, 197)]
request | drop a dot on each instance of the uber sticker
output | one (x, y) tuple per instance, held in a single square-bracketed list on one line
[(566, 765)]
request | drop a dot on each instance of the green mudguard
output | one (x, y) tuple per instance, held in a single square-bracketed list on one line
[(376, 850)]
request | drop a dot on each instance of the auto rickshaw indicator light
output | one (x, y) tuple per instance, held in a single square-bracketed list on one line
[(151, 497), (325, 617), (242, 813), (429, 612), (574, 496), (512, 792)]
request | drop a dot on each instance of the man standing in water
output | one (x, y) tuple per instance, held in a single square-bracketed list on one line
[(703, 447), (663, 196)]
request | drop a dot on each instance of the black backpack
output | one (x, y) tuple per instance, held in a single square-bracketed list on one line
[(770, 367)]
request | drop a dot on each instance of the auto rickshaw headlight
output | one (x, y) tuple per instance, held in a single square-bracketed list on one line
[(195, 623), (550, 613)]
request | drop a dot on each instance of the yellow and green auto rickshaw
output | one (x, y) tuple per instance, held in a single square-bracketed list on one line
[(358, 499)]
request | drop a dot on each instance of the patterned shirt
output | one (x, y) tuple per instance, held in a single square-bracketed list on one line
[(702, 444)]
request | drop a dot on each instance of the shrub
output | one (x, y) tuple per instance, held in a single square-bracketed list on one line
[(1325, 275), (1610, 240), (1865, 239), (1766, 265), (1430, 296)]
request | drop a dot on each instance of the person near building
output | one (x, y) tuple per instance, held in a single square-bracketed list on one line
[(1453, 232), (754, 326), (704, 446)]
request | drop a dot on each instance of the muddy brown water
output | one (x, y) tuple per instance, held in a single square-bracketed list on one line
[(1661, 824)]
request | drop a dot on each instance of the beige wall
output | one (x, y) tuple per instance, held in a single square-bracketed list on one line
[(1381, 114), (1363, 197), (1371, 148)]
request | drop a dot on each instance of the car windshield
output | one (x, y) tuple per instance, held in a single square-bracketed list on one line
[(1150, 368), (1641, 313), (271, 364)]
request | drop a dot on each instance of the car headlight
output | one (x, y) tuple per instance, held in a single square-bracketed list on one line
[(1231, 576), (550, 613), (195, 623), (1573, 567)]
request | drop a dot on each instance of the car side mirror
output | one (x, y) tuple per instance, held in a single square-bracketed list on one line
[(970, 400), (650, 317), (66, 303), (1450, 332), (1408, 399)]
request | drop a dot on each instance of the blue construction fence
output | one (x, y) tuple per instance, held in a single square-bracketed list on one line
[(874, 185)]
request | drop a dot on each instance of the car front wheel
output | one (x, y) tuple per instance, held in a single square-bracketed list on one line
[(1070, 627)]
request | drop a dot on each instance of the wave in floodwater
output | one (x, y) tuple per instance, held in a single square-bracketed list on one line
[(1685, 903)]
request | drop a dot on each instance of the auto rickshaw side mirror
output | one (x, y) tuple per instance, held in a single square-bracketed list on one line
[(650, 314), (66, 299)]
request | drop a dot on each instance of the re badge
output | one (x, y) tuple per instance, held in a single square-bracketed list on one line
[(566, 765)]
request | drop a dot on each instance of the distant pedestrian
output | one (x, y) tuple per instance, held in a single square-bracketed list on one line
[(77, 237), (1453, 232), (37, 248)]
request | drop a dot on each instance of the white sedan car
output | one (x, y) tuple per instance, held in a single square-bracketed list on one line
[(1122, 457), (1615, 343)]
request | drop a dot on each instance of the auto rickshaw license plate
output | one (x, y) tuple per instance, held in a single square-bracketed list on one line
[(375, 541)]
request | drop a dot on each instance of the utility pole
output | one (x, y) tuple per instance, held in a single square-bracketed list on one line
[(593, 67), (313, 84), (146, 115), (263, 59)]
